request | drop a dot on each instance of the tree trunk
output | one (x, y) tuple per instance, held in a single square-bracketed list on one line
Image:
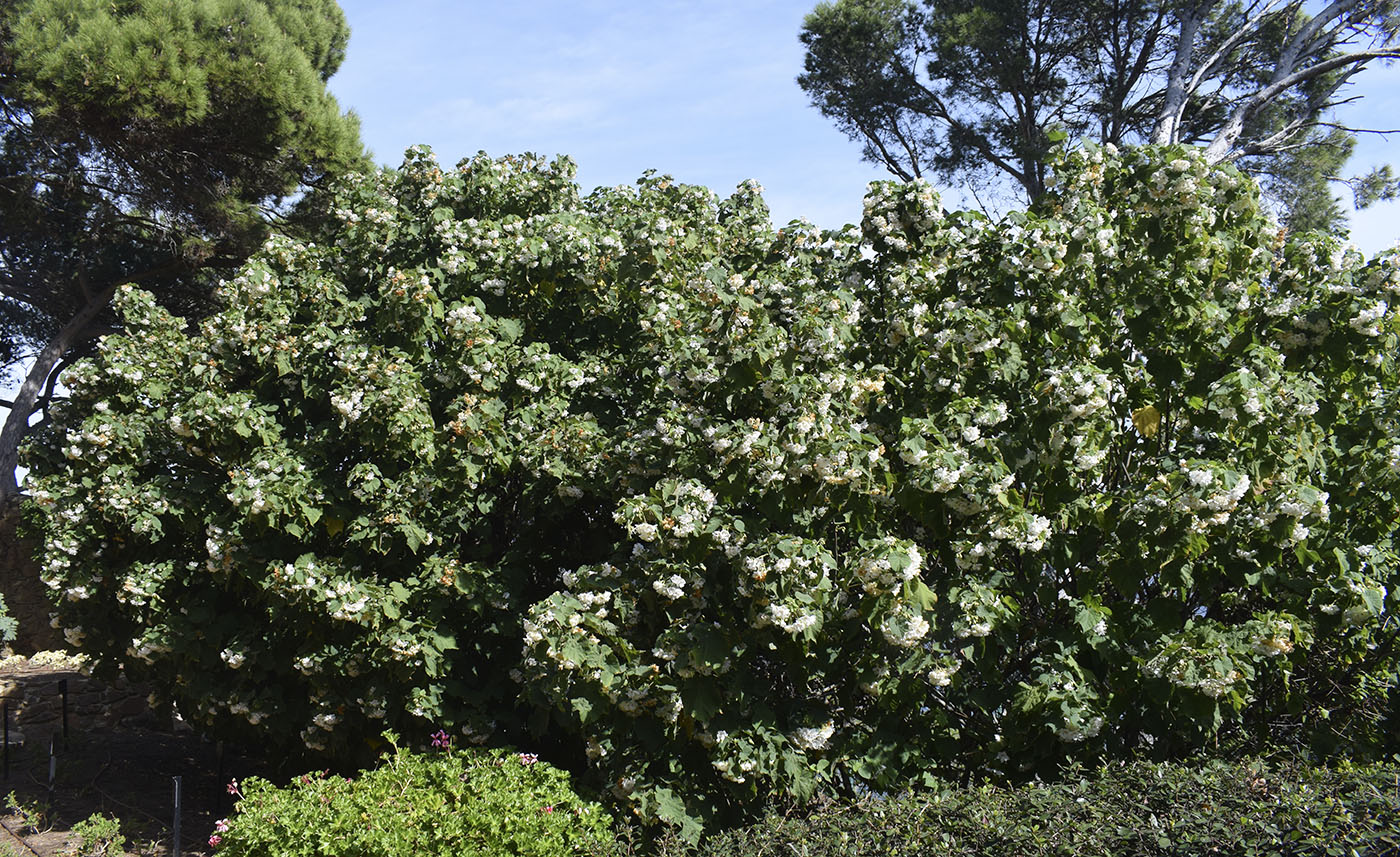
[(1168, 129), (27, 397)]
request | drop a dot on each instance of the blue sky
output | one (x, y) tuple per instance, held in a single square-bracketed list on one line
[(703, 91)]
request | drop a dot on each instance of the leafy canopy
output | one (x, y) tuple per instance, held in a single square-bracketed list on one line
[(732, 512)]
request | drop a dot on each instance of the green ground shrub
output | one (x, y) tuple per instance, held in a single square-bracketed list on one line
[(417, 804), (98, 836), (1251, 808)]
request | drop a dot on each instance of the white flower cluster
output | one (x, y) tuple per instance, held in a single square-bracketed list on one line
[(1276, 639), (904, 628), (1367, 322), (1074, 732), (942, 676), (678, 510), (1026, 532), (146, 650), (347, 610), (1081, 392), (813, 738), (889, 563), (350, 403), (1193, 669), (1212, 505), (670, 588), (792, 621)]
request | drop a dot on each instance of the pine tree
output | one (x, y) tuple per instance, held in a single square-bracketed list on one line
[(151, 142)]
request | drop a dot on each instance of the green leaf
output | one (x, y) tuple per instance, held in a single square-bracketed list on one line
[(916, 592), (671, 808), (1147, 419), (1374, 600), (703, 698)]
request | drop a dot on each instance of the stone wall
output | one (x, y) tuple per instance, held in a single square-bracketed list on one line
[(26, 597), (32, 687)]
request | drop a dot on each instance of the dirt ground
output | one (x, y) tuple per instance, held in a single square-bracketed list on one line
[(126, 772)]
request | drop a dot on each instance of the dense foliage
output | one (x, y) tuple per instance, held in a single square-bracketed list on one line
[(769, 512), (1247, 809), (443, 802)]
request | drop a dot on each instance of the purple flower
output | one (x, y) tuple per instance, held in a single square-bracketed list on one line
[(441, 740)]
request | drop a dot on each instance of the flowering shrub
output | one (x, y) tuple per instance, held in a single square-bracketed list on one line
[(752, 511), (9, 627), (449, 803)]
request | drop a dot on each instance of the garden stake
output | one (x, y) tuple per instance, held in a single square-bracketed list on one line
[(175, 837), (53, 766), (219, 777), (63, 690), (7, 738)]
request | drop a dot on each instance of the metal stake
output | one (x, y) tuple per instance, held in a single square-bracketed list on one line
[(7, 738), (53, 765), (176, 837), (63, 689), (219, 777)]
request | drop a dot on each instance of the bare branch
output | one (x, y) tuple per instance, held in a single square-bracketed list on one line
[(909, 148), (1306, 38), (1213, 61), (872, 138), (1224, 142), (938, 110)]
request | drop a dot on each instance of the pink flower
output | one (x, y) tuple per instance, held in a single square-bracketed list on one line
[(549, 808), (441, 740), (221, 825), (215, 840), (233, 787), (528, 758)]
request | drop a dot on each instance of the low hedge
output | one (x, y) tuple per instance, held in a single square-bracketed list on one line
[(504, 803), (1141, 809)]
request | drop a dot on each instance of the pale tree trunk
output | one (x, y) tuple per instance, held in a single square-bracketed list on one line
[(27, 397), (1168, 128)]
